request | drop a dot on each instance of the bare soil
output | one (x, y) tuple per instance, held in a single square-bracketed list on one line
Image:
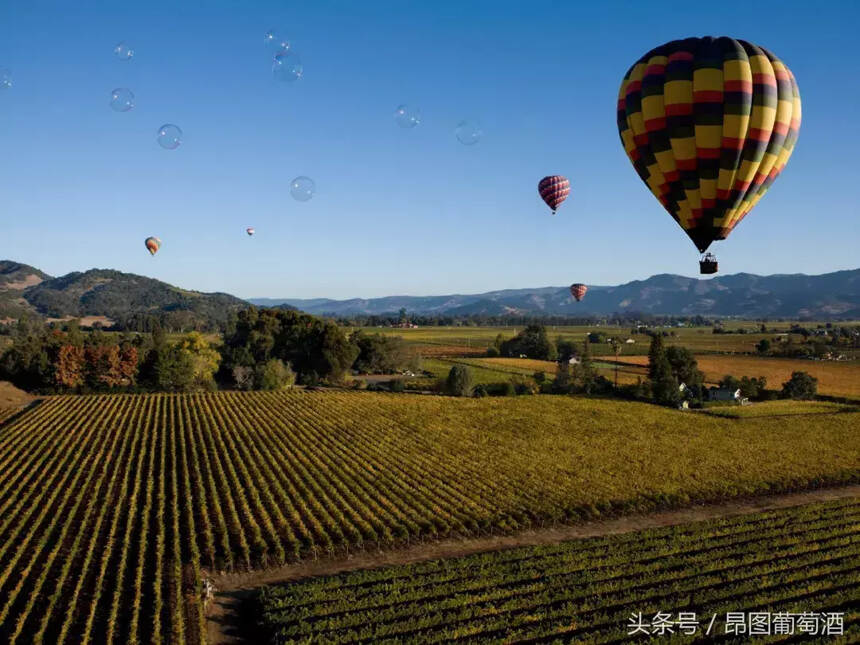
[(12, 397), (227, 611)]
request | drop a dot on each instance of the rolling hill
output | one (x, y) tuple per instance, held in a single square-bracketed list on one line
[(830, 295), (102, 293)]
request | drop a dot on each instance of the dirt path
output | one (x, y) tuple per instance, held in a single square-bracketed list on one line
[(232, 589)]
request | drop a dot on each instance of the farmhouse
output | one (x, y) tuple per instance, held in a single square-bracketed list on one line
[(723, 394)]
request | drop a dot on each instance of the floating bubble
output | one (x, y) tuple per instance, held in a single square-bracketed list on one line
[(169, 136), (407, 117), (5, 78), (123, 51), (468, 132), (121, 99), (287, 66), (272, 40), (302, 188)]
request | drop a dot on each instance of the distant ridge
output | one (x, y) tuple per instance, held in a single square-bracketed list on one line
[(103, 293), (830, 295)]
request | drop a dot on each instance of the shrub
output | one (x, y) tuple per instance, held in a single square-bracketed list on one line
[(492, 351), (539, 377), (459, 381), (397, 385), (274, 374), (479, 391)]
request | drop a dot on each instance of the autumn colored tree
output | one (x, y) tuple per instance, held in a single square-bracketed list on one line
[(69, 367)]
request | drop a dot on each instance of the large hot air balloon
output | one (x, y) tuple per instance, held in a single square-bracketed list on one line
[(554, 189), (250, 230), (152, 245), (708, 123), (578, 291)]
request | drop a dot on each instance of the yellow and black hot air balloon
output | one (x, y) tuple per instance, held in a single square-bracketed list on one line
[(708, 123), (152, 245)]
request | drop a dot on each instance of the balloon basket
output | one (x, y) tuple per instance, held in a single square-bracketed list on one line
[(708, 265)]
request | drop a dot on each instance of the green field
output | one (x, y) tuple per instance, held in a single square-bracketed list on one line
[(112, 506), (698, 339), (793, 560)]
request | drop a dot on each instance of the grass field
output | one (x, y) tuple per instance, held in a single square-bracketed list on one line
[(779, 409), (835, 378), (112, 505), (791, 560)]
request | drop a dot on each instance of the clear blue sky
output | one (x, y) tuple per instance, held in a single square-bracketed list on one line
[(396, 211)]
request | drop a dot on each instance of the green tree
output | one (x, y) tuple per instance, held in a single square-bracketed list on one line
[(801, 385), (763, 346), (532, 342), (459, 381), (274, 374), (656, 352)]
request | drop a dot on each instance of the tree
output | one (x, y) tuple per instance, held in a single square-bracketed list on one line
[(378, 354), (582, 373), (401, 318), (664, 384), (243, 376), (532, 342), (565, 349), (203, 359), (69, 368), (684, 366), (753, 388), (274, 374), (459, 381), (656, 352), (729, 382), (800, 386), (763, 346)]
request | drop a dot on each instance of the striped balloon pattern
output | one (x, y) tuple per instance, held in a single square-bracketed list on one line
[(554, 189), (578, 291), (708, 124), (152, 245)]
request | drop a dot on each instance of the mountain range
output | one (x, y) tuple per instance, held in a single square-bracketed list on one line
[(830, 295), (107, 295)]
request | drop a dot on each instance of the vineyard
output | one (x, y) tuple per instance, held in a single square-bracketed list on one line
[(797, 560), (113, 507)]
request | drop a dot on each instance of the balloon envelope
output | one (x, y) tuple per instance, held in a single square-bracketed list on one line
[(554, 189), (250, 230), (152, 245), (578, 291), (708, 124)]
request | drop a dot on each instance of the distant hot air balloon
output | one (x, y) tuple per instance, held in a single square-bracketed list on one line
[(152, 245), (250, 230), (554, 189), (578, 291), (708, 124)]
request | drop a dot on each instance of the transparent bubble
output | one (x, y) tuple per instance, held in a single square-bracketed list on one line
[(123, 51), (272, 40), (5, 78), (468, 132), (407, 117), (121, 99), (302, 188), (169, 136), (287, 66)]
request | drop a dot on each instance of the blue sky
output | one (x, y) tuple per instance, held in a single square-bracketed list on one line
[(396, 211)]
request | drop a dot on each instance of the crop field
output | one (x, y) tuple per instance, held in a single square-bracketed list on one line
[(112, 507), (791, 560), (460, 341), (836, 378), (779, 408)]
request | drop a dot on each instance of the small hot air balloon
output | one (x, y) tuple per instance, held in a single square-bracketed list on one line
[(708, 124), (554, 189), (152, 245), (250, 230), (578, 291)]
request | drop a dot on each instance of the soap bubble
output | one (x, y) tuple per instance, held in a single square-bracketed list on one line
[(407, 117), (5, 78), (169, 136), (302, 188), (468, 132), (123, 51), (121, 99), (287, 66), (273, 41)]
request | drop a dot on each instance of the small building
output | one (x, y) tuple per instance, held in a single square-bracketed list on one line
[(573, 360), (723, 394), (629, 341)]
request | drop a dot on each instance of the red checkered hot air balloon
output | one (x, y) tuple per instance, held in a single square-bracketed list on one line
[(578, 291), (554, 189)]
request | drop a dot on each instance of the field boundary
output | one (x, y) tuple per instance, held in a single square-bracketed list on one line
[(228, 608)]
